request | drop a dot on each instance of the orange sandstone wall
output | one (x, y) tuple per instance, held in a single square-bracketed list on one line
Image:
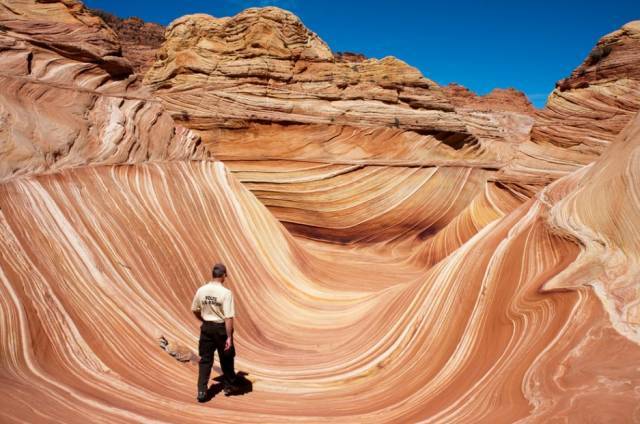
[(432, 268)]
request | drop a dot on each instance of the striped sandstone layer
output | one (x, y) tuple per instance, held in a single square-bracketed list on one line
[(70, 99), (589, 108), (585, 112), (452, 297), (317, 138), (508, 99), (226, 76)]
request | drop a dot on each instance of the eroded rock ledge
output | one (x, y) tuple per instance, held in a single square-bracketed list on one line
[(263, 65), (589, 108), (70, 99)]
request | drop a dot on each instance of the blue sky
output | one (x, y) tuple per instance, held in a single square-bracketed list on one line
[(479, 44)]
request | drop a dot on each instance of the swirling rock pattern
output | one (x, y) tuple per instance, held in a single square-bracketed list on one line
[(588, 109), (68, 99), (264, 65), (583, 115), (411, 280)]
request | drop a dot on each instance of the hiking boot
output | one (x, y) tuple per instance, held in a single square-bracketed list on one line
[(202, 396)]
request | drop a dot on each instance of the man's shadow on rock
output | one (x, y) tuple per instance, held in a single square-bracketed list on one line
[(242, 386)]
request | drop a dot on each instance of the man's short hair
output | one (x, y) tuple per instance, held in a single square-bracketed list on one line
[(219, 270)]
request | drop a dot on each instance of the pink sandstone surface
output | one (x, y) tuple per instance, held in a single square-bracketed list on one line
[(398, 254)]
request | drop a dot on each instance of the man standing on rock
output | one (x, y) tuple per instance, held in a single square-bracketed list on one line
[(213, 305)]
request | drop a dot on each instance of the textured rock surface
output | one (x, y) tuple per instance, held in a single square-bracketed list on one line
[(607, 229), (264, 65), (498, 99), (68, 99), (584, 114), (65, 27), (588, 109), (139, 40), (301, 107), (260, 86), (447, 292)]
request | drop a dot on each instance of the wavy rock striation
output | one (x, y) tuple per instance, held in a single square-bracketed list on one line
[(409, 282), (607, 230), (589, 108), (263, 66), (267, 95), (69, 99)]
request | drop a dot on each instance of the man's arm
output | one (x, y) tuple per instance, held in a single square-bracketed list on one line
[(195, 307), (229, 313), (228, 325)]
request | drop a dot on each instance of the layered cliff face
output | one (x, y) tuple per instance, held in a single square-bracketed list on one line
[(139, 40), (589, 108), (498, 99), (264, 65), (299, 124), (70, 99), (412, 280)]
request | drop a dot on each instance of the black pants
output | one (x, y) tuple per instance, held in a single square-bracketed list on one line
[(213, 336)]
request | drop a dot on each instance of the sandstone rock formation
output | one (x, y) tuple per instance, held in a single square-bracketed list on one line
[(427, 269), (498, 99), (265, 92), (139, 40), (69, 98), (589, 108), (584, 113), (264, 65)]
